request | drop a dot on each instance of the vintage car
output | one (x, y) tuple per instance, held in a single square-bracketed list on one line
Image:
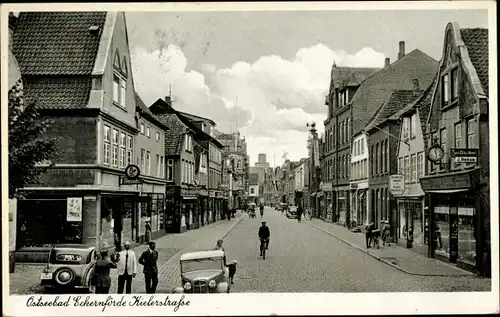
[(203, 272), (291, 212), (69, 267)]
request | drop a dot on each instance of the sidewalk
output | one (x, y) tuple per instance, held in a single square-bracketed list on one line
[(394, 255), (26, 279)]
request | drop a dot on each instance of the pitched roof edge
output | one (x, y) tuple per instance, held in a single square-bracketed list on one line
[(105, 44)]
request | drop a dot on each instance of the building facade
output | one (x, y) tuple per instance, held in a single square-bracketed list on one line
[(360, 193), (82, 199), (253, 192), (457, 140), (301, 178)]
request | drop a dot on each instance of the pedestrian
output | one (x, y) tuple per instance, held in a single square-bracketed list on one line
[(149, 259), (127, 269), (368, 234), (148, 231), (218, 246), (386, 235), (101, 278), (300, 211), (232, 271)]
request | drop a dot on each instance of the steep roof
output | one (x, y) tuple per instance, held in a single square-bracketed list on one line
[(476, 41), (175, 133), (196, 118), (376, 89), (189, 122), (397, 101), (144, 111), (350, 76), (56, 53)]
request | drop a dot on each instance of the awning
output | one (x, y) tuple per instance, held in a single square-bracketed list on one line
[(448, 191)]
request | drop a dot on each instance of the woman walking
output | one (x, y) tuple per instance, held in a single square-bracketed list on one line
[(102, 280)]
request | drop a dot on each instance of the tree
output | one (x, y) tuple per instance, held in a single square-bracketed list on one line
[(28, 143)]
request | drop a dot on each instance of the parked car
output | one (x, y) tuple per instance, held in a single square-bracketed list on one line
[(69, 267), (291, 212), (203, 272)]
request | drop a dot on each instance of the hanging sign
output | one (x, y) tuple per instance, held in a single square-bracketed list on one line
[(74, 209), (396, 184), (464, 155), (132, 173)]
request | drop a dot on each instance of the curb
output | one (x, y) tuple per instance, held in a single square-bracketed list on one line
[(383, 260)]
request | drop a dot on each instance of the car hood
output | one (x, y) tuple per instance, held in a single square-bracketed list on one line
[(201, 275)]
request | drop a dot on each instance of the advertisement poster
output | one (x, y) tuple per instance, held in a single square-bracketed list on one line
[(74, 209)]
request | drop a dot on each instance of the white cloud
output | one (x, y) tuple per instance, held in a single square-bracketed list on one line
[(275, 97)]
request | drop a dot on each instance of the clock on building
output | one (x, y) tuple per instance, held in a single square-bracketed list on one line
[(435, 153)]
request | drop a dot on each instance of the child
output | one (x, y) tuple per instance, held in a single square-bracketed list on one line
[(232, 270)]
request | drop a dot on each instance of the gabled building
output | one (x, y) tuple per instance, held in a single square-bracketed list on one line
[(253, 183), (458, 158), (360, 162), (91, 99), (383, 139), (301, 176)]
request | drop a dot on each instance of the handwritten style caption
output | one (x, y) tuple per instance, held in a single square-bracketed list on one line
[(110, 301)]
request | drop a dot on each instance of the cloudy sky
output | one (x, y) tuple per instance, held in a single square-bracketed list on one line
[(266, 73)]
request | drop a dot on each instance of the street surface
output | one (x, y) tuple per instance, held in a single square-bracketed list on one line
[(301, 258)]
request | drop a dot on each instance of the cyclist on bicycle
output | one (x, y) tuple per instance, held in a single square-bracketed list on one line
[(264, 235), (261, 210)]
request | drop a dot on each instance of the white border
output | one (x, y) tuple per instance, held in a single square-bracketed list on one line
[(277, 303)]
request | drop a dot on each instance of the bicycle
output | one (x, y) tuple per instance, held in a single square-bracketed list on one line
[(263, 246)]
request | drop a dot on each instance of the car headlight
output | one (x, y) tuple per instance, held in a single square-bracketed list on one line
[(187, 286), (212, 284)]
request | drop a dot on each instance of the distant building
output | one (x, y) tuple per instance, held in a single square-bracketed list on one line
[(253, 184)]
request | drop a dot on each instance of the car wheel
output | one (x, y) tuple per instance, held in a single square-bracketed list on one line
[(64, 276)]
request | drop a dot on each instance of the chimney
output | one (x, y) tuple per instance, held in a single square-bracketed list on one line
[(401, 49), (416, 86), (168, 100), (387, 61)]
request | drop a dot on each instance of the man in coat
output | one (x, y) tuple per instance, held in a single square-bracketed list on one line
[(149, 259), (127, 269)]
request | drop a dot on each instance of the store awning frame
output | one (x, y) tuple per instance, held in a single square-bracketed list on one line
[(448, 191)]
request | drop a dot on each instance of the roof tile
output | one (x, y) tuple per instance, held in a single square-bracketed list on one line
[(476, 41), (174, 135), (57, 43), (70, 92)]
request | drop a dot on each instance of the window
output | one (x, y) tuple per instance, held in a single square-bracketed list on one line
[(443, 142), (347, 164), (413, 168), (252, 190), (382, 157), (348, 130), (143, 160), (170, 169), (372, 161), (148, 161), (377, 161), (406, 128), (420, 162), (386, 156), (401, 166), (122, 149), (107, 138), (123, 93), (471, 134), (458, 135), (114, 158), (407, 169), (341, 133), (142, 128), (362, 146), (157, 136), (413, 126), (157, 165), (445, 89), (162, 167), (454, 83), (129, 150), (148, 132), (116, 89)]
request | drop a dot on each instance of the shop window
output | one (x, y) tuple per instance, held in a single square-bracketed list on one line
[(442, 229), (466, 237), (129, 150), (107, 145), (114, 158)]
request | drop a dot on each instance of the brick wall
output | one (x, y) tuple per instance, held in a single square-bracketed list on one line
[(77, 140)]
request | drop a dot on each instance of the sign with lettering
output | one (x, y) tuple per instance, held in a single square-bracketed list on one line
[(74, 209), (464, 155), (128, 181), (454, 181), (396, 184), (189, 192)]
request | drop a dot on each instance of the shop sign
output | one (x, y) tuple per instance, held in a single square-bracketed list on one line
[(127, 181), (396, 184), (90, 198), (455, 181), (326, 186), (74, 209), (189, 192), (132, 173), (464, 155)]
